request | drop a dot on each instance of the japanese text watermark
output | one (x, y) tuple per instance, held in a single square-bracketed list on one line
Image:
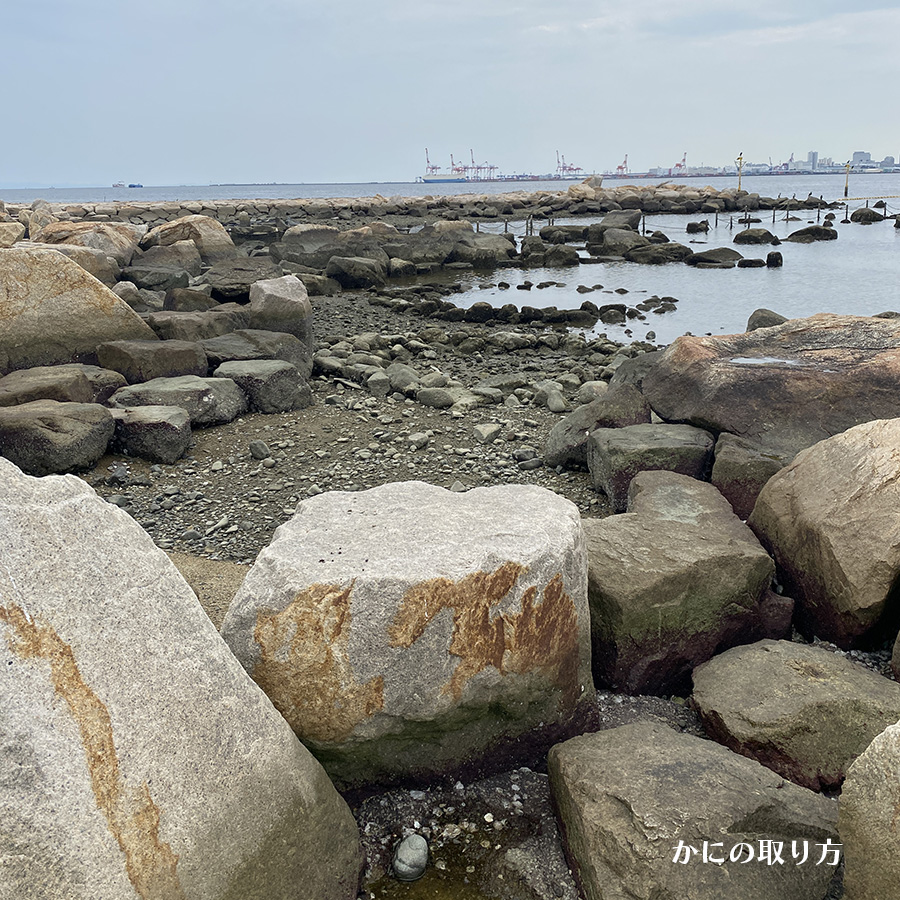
[(765, 852)]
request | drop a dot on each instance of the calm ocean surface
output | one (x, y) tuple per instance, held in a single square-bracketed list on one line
[(858, 273)]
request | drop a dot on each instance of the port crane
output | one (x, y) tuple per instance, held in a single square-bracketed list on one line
[(680, 167), (563, 168), (430, 167), (622, 168)]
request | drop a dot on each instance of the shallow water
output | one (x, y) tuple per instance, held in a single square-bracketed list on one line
[(859, 273)]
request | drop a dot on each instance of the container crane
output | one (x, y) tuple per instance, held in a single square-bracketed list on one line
[(622, 169), (680, 167), (430, 167), (563, 168)]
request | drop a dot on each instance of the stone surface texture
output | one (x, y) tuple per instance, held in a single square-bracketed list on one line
[(161, 434), (53, 311), (830, 520), (790, 385), (801, 711), (211, 239), (671, 582), (626, 798), (616, 455), (868, 820), (145, 763), (208, 401), (45, 436), (408, 631)]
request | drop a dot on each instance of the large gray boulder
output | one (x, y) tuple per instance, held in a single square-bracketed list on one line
[(182, 255), (199, 326), (139, 759), (566, 444), (231, 279), (116, 239), (647, 812), (355, 271), (211, 239), (671, 582), (787, 386), (616, 455), (617, 242), (801, 711), (43, 437), (408, 632), (271, 385), (868, 820), (63, 383), (53, 311), (282, 304), (742, 468), (104, 268), (251, 343), (830, 520), (208, 401), (141, 361), (161, 434)]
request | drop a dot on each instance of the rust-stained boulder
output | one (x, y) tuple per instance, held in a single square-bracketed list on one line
[(213, 242), (53, 311), (830, 520), (408, 632), (139, 759), (788, 386)]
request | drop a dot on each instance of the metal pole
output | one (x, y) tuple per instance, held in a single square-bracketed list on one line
[(847, 181)]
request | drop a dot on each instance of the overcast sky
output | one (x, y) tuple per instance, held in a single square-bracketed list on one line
[(215, 91)]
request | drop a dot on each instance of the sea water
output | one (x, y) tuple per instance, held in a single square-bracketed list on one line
[(858, 273)]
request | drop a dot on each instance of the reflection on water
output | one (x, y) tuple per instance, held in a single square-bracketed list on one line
[(856, 274)]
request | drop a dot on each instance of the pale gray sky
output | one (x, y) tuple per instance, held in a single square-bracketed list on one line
[(200, 91)]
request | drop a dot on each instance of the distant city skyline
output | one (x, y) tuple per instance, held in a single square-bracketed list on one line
[(291, 91)]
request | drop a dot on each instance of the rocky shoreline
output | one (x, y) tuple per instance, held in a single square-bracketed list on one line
[(483, 513)]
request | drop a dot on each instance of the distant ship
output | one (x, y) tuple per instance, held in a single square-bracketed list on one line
[(119, 184), (135, 185)]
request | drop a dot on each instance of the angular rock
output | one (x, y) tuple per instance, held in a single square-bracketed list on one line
[(629, 799), (231, 279), (10, 232), (741, 469), (188, 300), (198, 326), (617, 242), (251, 343), (867, 820), (567, 442), (617, 218), (53, 311), (719, 257), (156, 278), (632, 371), (866, 215), (104, 268), (208, 401), (116, 239), (802, 711), (282, 304), (161, 434), (397, 659), (616, 455), (141, 361), (271, 385), (671, 582), (182, 255), (62, 383), (140, 760), (788, 386), (45, 436), (104, 382), (830, 520), (210, 237), (355, 271)]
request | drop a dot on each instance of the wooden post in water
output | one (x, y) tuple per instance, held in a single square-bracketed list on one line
[(847, 179)]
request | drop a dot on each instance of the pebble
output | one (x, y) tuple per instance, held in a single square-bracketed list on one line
[(259, 450), (411, 858)]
